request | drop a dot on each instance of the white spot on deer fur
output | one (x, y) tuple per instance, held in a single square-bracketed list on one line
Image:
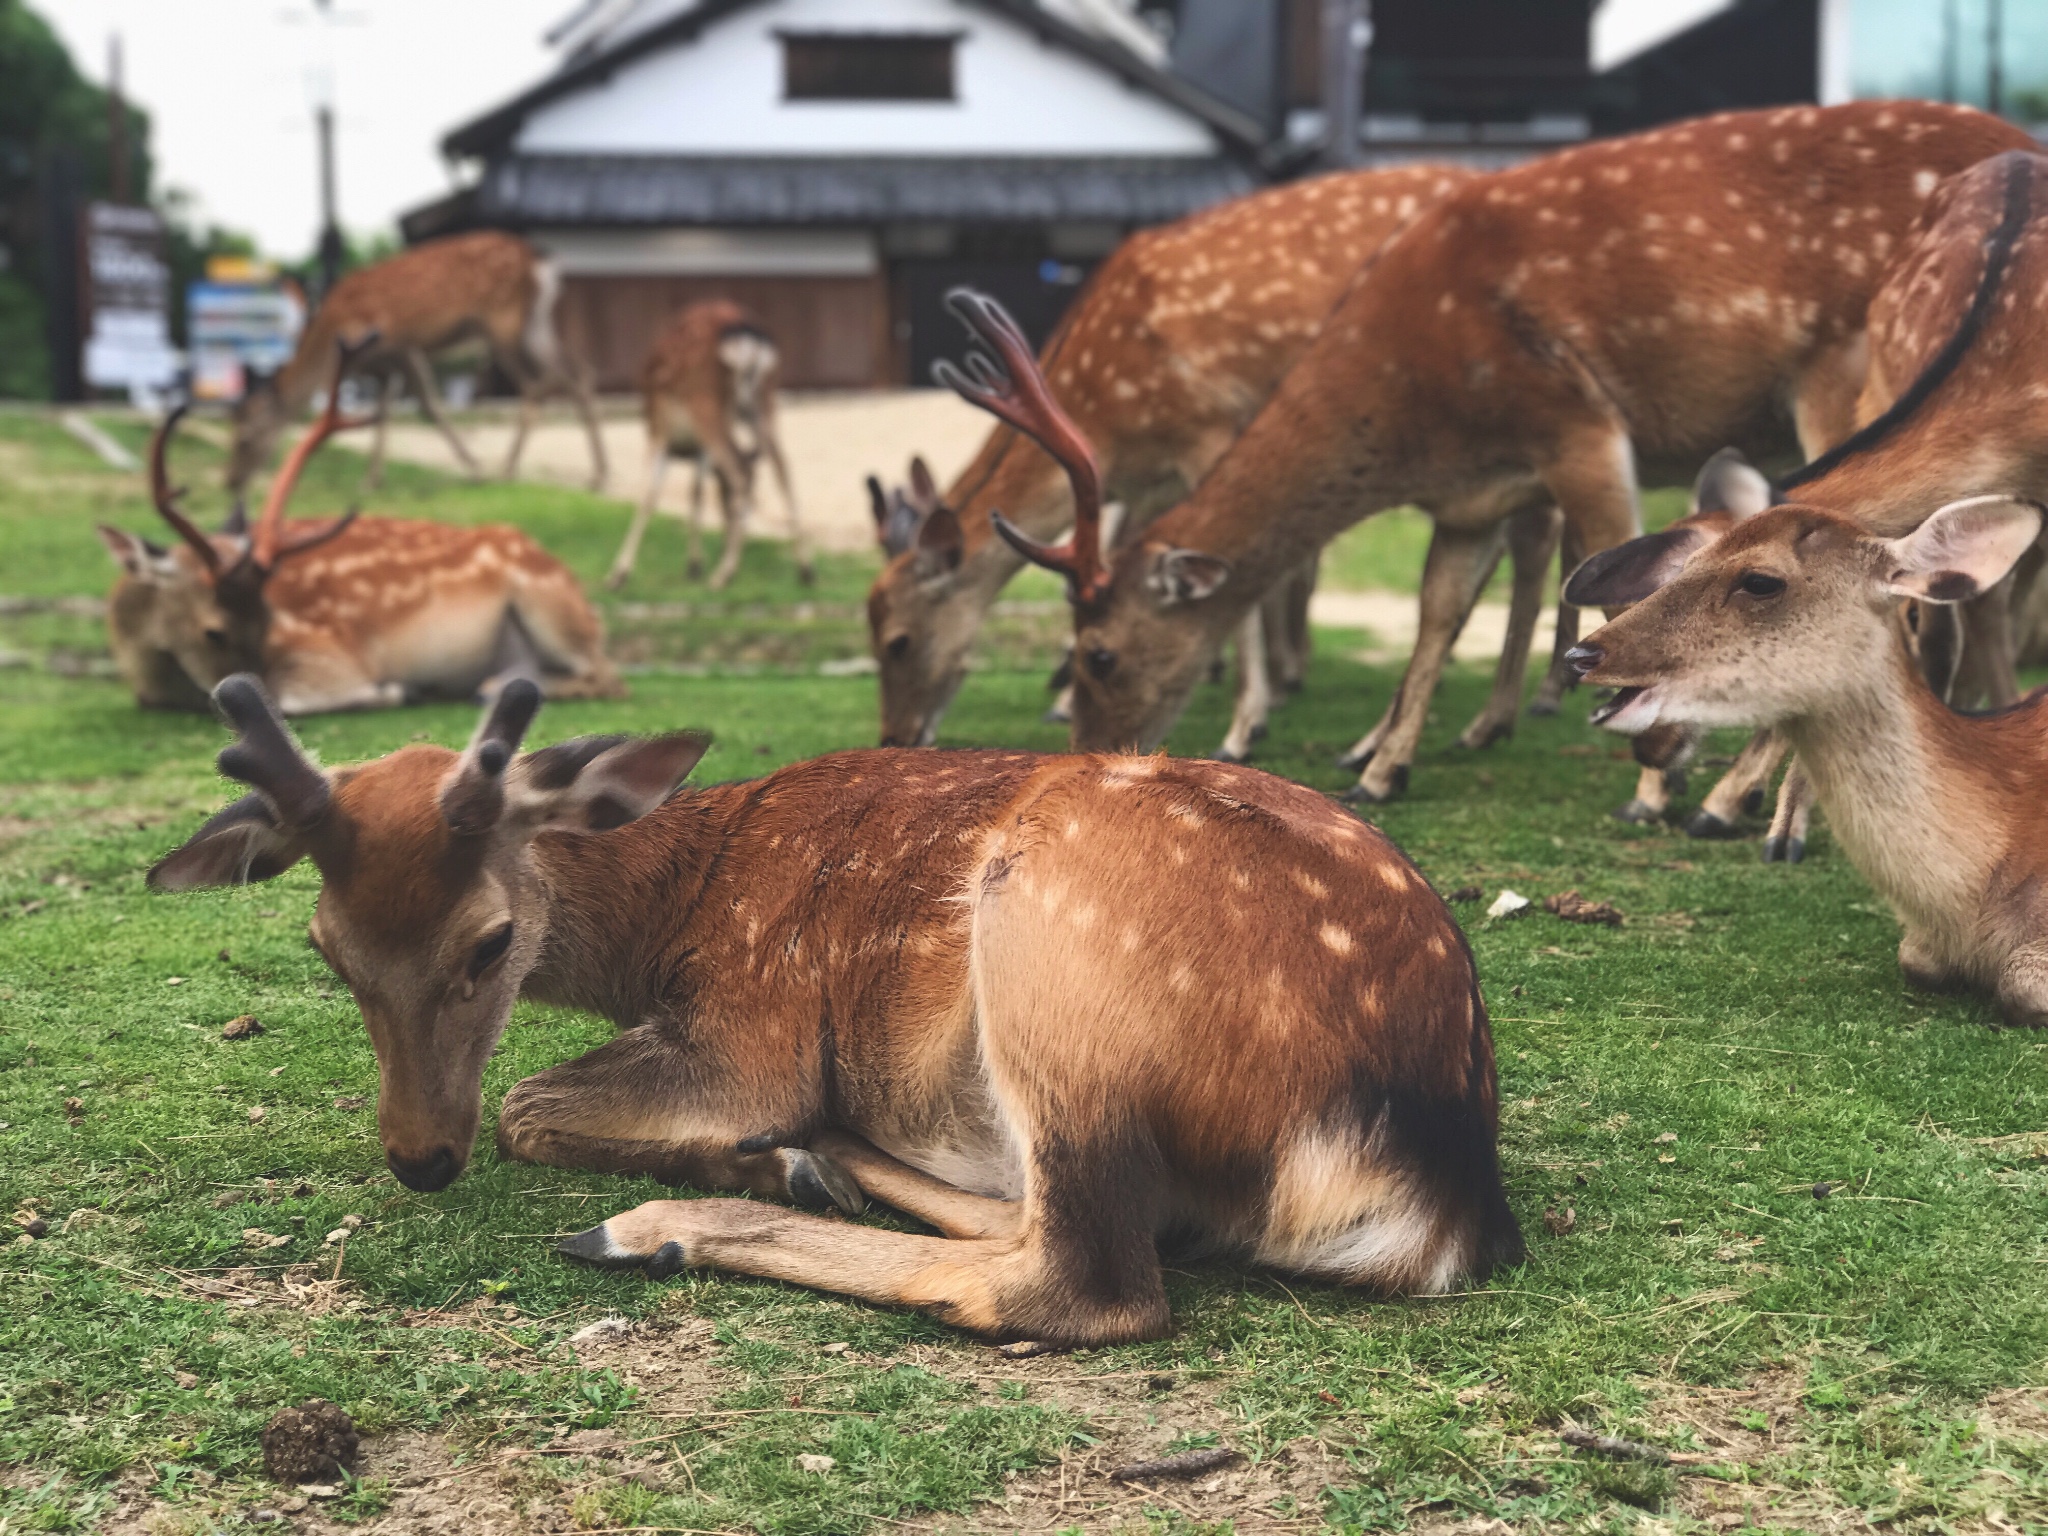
[(1924, 181), (1311, 885), (1336, 940)]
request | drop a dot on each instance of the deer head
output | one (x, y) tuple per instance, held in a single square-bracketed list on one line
[(432, 907), (919, 621), (259, 416), (1793, 613)]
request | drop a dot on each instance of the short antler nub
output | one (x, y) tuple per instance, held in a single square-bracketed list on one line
[(265, 756), (1009, 384), (474, 797)]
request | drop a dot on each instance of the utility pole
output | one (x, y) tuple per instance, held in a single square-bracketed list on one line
[(331, 248), (117, 124), (1994, 50), (1951, 42), (1347, 34)]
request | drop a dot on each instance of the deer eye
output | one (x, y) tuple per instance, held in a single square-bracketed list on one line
[(217, 637), (899, 647), (1101, 662), (490, 951), (1759, 584)]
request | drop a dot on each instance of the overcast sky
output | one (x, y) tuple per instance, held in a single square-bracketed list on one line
[(226, 83)]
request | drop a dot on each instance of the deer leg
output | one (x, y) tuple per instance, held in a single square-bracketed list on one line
[(529, 408), (1785, 843), (579, 391), (771, 445), (629, 551), (1550, 692), (373, 476), (1458, 564), (955, 1212), (701, 469), (1990, 665), (1532, 541), (1939, 641), (2023, 988), (430, 402), (318, 682), (1254, 689), (1293, 659), (1741, 789), (736, 497)]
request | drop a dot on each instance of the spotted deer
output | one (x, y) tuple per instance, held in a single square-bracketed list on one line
[(1165, 357), (857, 978), (352, 613), (1953, 406), (1791, 621), (486, 286), (1524, 339), (708, 391)]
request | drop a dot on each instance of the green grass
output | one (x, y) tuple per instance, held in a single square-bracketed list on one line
[(1681, 1084)]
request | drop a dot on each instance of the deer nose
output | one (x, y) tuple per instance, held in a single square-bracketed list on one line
[(426, 1174), (1584, 658)]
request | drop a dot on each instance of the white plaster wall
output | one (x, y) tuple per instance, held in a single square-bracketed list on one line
[(722, 95), (684, 252)]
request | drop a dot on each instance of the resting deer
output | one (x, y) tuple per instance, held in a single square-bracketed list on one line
[(953, 982), (1791, 622), (1953, 406), (1166, 355), (487, 285), (348, 614), (1524, 339), (708, 389)]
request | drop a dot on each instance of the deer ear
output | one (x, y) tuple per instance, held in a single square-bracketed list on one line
[(940, 542), (922, 485), (1185, 575), (878, 504), (241, 844), (595, 783), (1730, 483), (135, 554), (1961, 550), (1630, 572)]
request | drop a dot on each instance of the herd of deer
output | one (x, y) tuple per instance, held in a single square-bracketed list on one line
[(1066, 1009)]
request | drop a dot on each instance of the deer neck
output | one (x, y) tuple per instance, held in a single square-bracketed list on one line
[(1903, 783), (613, 903)]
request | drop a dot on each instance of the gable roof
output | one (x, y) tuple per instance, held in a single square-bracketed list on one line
[(494, 130)]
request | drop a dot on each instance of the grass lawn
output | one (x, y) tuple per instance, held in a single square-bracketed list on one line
[(1674, 1093)]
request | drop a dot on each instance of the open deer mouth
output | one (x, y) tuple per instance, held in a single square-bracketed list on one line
[(1614, 703)]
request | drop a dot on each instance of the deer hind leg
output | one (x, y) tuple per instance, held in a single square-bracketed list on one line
[(529, 408), (955, 1212), (2023, 988), (1458, 565), (799, 543), (1289, 641), (430, 402), (1550, 692), (1254, 689), (1741, 789), (1989, 673), (629, 551), (373, 476), (1785, 843), (736, 497), (1532, 542)]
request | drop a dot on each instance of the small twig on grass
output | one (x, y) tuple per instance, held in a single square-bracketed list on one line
[(1187, 1464)]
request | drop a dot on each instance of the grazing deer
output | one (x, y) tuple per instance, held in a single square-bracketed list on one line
[(708, 387), (348, 614), (487, 285), (1791, 622), (1953, 406), (1167, 354), (856, 977), (1522, 340)]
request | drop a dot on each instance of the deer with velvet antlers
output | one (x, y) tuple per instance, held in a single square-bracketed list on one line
[(1525, 338), (966, 984), (487, 286), (352, 613), (708, 390), (1163, 359)]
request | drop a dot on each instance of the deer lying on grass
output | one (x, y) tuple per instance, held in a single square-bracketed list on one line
[(708, 389), (857, 976), (1791, 621), (1523, 339), (1165, 357), (1953, 406), (487, 285), (348, 614)]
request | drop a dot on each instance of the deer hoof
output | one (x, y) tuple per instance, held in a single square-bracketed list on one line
[(817, 1183), (694, 571), (1639, 813), (1354, 760), (1784, 850), (806, 577), (1753, 802), (1484, 733), (1057, 716), (1543, 708), (595, 1246), (1363, 793), (1229, 754), (615, 580), (1707, 824)]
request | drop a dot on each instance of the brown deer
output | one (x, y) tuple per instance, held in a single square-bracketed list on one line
[(487, 285), (1524, 339), (708, 389), (348, 614), (1952, 348), (1791, 622), (1167, 354), (856, 978)]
